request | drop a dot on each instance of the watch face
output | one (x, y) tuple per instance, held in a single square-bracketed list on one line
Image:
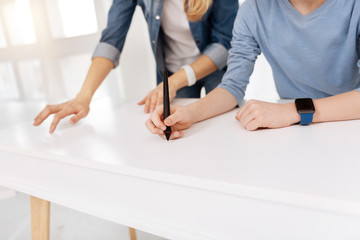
[(304, 105)]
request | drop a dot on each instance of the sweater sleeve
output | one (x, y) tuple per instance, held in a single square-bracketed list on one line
[(242, 55)]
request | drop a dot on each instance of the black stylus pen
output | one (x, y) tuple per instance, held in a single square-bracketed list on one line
[(167, 131)]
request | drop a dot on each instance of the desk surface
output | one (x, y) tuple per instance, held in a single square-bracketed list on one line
[(15, 112), (313, 166)]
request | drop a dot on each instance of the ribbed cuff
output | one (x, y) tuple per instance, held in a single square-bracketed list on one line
[(217, 53), (108, 51)]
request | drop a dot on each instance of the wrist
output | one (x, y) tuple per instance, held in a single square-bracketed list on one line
[(85, 96), (179, 79), (317, 114), (193, 113), (294, 116)]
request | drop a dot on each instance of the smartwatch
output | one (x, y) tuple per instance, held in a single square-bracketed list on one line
[(306, 109)]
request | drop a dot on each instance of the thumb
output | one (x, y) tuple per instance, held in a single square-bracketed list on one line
[(77, 117), (173, 119), (142, 102)]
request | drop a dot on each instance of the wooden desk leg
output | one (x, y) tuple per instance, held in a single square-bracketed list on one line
[(132, 233), (40, 219)]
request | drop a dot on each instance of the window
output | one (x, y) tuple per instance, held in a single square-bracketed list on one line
[(8, 89), (62, 15), (73, 70), (2, 36), (19, 22), (46, 47), (31, 79)]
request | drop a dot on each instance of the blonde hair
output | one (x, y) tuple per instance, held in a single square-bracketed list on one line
[(195, 9)]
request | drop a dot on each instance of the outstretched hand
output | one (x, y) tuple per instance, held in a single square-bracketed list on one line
[(79, 107)]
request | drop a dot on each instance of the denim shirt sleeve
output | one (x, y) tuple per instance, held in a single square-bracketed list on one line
[(222, 21), (242, 55), (113, 36)]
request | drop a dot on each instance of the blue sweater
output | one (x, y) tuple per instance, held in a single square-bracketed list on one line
[(316, 55)]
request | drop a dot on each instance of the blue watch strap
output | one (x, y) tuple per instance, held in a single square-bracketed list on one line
[(306, 118)]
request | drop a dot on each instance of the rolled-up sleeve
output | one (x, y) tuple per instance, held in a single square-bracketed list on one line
[(222, 21), (114, 35), (108, 51), (242, 56)]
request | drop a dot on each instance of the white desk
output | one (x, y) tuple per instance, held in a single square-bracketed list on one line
[(218, 182), (12, 114)]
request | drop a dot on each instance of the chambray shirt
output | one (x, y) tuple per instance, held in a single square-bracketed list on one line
[(212, 34), (316, 55)]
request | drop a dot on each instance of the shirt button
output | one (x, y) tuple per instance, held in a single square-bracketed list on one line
[(157, 17), (153, 41)]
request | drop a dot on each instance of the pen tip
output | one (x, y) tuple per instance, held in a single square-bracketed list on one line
[(167, 135)]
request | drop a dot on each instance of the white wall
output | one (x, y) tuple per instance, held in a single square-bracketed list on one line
[(137, 63)]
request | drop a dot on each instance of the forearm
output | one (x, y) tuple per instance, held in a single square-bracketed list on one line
[(202, 67), (215, 103), (340, 107), (99, 69)]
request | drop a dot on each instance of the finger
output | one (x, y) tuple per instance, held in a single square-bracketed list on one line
[(142, 102), (74, 119), (156, 117), (246, 119), (44, 114), (246, 112), (147, 104), (253, 125), (153, 102), (159, 99), (241, 112), (172, 96), (60, 115), (174, 135), (173, 118), (152, 128)]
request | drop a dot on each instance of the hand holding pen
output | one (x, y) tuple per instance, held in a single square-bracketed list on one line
[(169, 122), (167, 131)]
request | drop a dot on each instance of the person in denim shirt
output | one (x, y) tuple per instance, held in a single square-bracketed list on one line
[(205, 32)]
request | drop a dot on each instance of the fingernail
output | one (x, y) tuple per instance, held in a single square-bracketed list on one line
[(176, 134), (163, 128)]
